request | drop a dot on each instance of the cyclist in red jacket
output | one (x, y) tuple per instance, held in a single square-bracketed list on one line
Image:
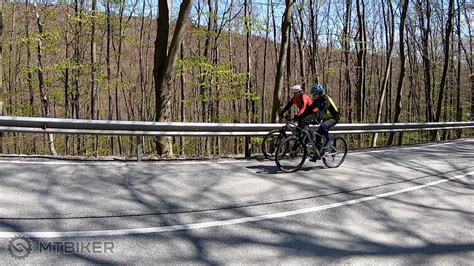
[(303, 102)]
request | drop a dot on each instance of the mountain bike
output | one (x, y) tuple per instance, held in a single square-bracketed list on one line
[(293, 150)]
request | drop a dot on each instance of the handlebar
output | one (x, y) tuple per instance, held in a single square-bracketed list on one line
[(288, 120)]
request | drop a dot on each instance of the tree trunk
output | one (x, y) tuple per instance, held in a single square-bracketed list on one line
[(426, 31), (401, 77), (42, 87), (446, 49), (265, 52), (94, 114), (361, 59), (313, 25), (390, 31), (164, 62), (301, 46), (94, 94), (248, 85), (118, 73), (182, 117), (75, 94), (469, 59), (286, 23), (66, 75), (109, 69), (458, 77), (347, 49), (141, 78)]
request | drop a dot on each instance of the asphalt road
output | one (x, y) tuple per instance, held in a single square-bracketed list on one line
[(400, 206)]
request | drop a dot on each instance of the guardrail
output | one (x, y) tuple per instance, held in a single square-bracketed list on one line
[(135, 128)]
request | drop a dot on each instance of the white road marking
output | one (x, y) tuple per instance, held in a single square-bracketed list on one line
[(416, 147), (184, 162), (193, 226)]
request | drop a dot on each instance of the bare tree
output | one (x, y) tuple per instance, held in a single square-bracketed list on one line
[(469, 57), (389, 29), (346, 46), (250, 103), (42, 87), (401, 77), (361, 59), (446, 50), (29, 76), (94, 90), (265, 52), (164, 62), (424, 13), (94, 113), (285, 27), (458, 76), (109, 67), (313, 26), (141, 63), (301, 42)]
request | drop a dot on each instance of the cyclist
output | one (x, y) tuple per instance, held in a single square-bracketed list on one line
[(328, 113), (302, 101)]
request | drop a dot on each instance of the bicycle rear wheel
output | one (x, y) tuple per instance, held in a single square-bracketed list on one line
[(270, 144), (290, 155), (336, 155)]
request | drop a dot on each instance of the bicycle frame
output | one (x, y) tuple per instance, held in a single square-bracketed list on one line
[(307, 133)]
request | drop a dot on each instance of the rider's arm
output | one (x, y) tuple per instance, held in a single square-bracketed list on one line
[(306, 103), (324, 105), (287, 107)]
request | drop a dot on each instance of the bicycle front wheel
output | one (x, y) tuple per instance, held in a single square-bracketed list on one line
[(270, 144), (290, 155), (336, 155)]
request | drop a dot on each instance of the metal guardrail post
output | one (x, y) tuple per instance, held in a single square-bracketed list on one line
[(248, 147), (400, 139), (139, 149)]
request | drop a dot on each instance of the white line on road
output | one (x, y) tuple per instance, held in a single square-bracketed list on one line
[(416, 147), (193, 226)]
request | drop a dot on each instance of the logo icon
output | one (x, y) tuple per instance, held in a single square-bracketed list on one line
[(19, 247)]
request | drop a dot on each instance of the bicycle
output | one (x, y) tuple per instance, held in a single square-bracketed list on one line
[(293, 150), (272, 139)]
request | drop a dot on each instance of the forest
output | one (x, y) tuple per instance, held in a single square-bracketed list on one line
[(231, 61)]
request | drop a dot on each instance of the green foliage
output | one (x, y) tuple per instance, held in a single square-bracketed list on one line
[(252, 24), (231, 85), (200, 32), (257, 141), (189, 147), (24, 109)]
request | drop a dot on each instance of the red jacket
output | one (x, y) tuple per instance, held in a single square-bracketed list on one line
[(303, 102)]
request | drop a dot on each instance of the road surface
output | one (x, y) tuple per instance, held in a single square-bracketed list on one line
[(405, 206)]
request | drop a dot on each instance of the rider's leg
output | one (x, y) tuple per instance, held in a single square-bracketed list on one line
[(324, 129), (307, 120)]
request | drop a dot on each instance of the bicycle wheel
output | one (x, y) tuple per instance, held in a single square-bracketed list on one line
[(290, 155), (270, 144), (335, 157)]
